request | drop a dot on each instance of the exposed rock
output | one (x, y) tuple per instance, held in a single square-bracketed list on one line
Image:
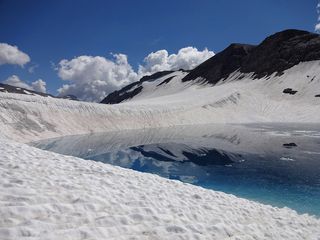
[(165, 81), (222, 64), (132, 89), (275, 54), (155, 76), (289, 91)]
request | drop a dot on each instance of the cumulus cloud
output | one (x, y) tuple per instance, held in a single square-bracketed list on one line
[(39, 85), (14, 80), (91, 78), (12, 55), (187, 58)]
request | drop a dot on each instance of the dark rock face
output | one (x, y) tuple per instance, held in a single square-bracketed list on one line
[(222, 64), (318, 95), (155, 76), (289, 91), (132, 89), (165, 81), (122, 95), (282, 51), (276, 53)]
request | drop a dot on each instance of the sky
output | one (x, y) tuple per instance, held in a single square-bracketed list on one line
[(90, 48)]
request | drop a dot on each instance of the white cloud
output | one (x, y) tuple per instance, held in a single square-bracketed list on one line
[(14, 80), (39, 86), (12, 55), (93, 77), (187, 58)]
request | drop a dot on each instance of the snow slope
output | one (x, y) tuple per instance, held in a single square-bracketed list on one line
[(44, 195), (248, 100)]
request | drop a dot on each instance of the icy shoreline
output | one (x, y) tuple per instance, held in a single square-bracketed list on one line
[(50, 196)]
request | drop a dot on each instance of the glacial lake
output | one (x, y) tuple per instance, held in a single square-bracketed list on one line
[(274, 164)]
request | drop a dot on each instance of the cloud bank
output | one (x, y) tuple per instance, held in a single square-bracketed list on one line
[(38, 86), (12, 55), (93, 77)]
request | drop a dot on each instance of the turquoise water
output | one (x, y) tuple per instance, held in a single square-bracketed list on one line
[(277, 165)]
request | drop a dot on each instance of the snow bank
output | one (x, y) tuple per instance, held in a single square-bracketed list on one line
[(238, 99), (44, 195)]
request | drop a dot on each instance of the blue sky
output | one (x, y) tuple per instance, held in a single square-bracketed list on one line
[(49, 31)]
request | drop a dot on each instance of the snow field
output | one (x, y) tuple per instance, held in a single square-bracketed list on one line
[(44, 195)]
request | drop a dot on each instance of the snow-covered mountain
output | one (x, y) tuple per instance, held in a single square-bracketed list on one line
[(267, 61), (228, 88)]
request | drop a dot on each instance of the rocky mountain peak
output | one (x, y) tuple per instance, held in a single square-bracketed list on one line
[(276, 53)]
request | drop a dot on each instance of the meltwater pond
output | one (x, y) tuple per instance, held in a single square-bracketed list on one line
[(273, 164)]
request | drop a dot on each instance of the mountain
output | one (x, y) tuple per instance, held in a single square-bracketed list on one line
[(274, 55)]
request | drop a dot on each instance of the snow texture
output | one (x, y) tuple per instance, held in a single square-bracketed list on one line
[(44, 195)]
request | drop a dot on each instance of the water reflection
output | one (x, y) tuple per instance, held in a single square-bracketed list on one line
[(274, 164)]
